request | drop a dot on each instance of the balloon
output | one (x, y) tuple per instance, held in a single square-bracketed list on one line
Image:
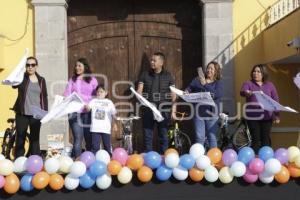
[(172, 160), (2, 181), (180, 173), (114, 167), (245, 155), (98, 168), (103, 156), (256, 166), (86, 181), (6, 167), (229, 156), (71, 183), (249, 177), (265, 153), (170, 150), (40, 180), (135, 161), (215, 155), (12, 184), (152, 159), (282, 155), (87, 158), (187, 161), (103, 182), (197, 150), (20, 164), (145, 174), (272, 166), (163, 173), (219, 165), (56, 182), (297, 161), (294, 170), (125, 175), (293, 153), (34, 164), (196, 174), (77, 169), (26, 184), (65, 164), (211, 174), (52, 165), (225, 175), (238, 169), (120, 155), (266, 177), (203, 162), (283, 176)]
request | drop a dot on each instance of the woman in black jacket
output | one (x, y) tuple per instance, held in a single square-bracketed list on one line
[(31, 92)]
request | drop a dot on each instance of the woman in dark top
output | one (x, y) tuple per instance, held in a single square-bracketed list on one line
[(31, 92), (206, 116)]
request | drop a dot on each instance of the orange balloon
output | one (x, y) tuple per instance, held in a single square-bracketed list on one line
[(40, 180), (56, 182), (135, 161), (219, 165), (12, 184), (196, 174), (145, 174), (215, 155), (170, 150), (294, 170), (114, 167), (283, 176)]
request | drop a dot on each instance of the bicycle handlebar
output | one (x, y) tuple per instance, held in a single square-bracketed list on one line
[(128, 118)]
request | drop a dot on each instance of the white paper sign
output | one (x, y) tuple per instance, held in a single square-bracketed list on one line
[(37, 112), (297, 80), (157, 115)]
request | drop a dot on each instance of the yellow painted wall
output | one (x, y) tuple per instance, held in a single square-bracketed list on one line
[(16, 33)]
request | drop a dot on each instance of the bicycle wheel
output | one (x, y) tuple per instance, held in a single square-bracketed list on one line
[(182, 142), (241, 138)]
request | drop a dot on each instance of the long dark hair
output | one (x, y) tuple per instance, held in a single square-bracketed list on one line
[(263, 71), (86, 73)]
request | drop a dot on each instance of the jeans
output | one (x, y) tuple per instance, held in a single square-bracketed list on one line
[(260, 133), (80, 126), (206, 129), (96, 139), (148, 124)]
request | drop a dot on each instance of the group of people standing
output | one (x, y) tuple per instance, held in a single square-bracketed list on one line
[(96, 120)]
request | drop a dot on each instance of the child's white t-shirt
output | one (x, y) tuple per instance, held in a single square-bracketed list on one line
[(102, 112)]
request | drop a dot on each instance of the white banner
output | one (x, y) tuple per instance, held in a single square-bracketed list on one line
[(17, 75), (157, 115), (269, 104), (297, 80)]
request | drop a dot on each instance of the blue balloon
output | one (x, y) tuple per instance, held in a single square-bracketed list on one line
[(246, 154), (87, 181), (26, 185), (265, 153), (98, 168), (163, 173), (152, 159), (187, 161)]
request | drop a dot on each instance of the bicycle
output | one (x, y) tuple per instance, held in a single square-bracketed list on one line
[(126, 133), (233, 134), (178, 139)]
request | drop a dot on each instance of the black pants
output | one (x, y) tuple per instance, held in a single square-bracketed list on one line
[(22, 123), (96, 140), (260, 133)]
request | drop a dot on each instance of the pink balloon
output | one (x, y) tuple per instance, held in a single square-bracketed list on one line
[(2, 181), (119, 154), (256, 166), (249, 177)]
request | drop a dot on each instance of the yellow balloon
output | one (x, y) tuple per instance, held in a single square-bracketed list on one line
[(225, 175), (293, 153)]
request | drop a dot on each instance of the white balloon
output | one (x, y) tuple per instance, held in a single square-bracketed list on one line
[(172, 160), (238, 169), (211, 174), (71, 183), (225, 175), (52, 165), (293, 152), (103, 182), (103, 156), (266, 177), (20, 164), (203, 162), (272, 166), (77, 169), (125, 175), (6, 167), (2, 157), (197, 150), (65, 164), (180, 173)]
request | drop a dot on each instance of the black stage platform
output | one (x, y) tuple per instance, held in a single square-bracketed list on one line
[(171, 189)]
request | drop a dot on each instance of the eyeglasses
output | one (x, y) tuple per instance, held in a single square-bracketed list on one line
[(30, 64)]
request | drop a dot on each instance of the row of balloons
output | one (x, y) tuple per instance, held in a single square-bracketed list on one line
[(98, 169)]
